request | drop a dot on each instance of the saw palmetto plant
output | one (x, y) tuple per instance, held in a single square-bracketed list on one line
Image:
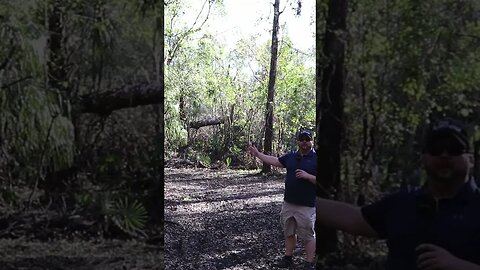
[(129, 216)]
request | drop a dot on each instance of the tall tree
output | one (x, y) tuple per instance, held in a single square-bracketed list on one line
[(158, 9), (161, 111), (330, 89), (57, 77), (267, 146)]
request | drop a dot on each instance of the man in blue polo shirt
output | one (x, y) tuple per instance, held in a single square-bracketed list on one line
[(435, 227), (298, 209)]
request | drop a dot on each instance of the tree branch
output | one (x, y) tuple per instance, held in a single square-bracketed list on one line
[(171, 53)]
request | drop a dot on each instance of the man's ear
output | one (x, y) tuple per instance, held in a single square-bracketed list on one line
[(471, 160)]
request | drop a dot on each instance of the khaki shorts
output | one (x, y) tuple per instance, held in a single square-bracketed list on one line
[(297, 219)]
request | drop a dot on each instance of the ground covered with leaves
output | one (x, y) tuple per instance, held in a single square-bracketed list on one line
[(64, 254), (42, 239), (229, 219), (222, 219)]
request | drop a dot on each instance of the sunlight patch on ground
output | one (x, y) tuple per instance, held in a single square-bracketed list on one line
[(232, 204), (211, 191), (222, 219)]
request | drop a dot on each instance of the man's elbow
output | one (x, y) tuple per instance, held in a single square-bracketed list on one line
[(362, 228), (277, 164)]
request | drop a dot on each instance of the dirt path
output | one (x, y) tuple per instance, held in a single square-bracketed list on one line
[(222, 220)]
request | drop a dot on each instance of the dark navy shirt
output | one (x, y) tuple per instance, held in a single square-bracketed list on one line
[(409, 218), (299, 191)]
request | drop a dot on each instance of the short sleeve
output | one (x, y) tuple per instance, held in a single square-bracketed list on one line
[(376, 215), (283, 160)]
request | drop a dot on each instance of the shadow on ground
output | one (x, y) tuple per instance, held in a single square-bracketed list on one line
[(222, 220)]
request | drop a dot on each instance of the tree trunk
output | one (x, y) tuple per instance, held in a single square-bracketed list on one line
[(158, 213), (267, 148), (330, 90), (57, 75), (57, 80)]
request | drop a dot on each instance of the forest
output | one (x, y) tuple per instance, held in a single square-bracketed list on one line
[(384, 69), (215, 95), (124, 123), (81, 134), (223, 93)]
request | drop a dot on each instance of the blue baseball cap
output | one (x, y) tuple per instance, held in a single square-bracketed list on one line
[(304, 134), (448, 127)]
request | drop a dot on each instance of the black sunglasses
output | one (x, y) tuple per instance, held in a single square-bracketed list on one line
[(451, 150), (304, 139)]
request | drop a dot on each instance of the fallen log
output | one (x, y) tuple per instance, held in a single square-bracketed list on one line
[(127, 96), (207, 122)]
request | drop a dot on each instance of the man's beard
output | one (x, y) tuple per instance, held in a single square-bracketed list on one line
[(305, 149), (444, 174)]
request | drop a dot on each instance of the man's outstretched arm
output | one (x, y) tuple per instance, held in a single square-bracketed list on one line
[(265, 158), (343, 216)]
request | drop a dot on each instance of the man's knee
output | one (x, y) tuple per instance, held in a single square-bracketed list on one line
[(306, 233), (289, 227)]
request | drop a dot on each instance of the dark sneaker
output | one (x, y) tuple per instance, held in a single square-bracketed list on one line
[(285, 262), (309, 266)]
